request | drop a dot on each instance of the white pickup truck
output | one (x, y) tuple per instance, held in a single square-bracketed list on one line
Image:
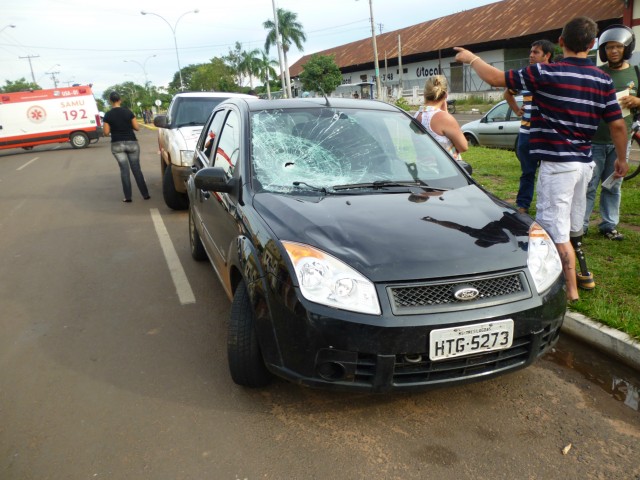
[(178, 132)]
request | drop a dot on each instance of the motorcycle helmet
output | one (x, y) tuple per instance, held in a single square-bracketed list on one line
[(617, 33)]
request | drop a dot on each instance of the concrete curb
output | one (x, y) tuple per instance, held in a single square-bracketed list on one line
[(610, 340)]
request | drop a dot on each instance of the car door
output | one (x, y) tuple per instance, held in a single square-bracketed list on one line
[(496, 128), (218, 209), (203, 158)]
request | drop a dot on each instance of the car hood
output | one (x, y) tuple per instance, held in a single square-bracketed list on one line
[(402, 236), (190, 135)]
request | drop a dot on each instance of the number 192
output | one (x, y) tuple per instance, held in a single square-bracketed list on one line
[(74, 114)]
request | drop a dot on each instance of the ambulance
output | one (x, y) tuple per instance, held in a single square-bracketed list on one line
[(55, 115)]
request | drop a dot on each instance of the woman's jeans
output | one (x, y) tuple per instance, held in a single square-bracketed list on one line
[(604, 157), (128, 154)]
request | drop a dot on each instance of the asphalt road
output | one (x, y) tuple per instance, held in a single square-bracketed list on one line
[(109, 370)]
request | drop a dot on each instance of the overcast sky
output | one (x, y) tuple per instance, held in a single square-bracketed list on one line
[(88, 42)]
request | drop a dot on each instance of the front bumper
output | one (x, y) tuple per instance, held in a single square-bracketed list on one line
[(321, 347)]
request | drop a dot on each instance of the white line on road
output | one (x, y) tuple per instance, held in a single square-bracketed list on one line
[(30, 161), (179, 277)]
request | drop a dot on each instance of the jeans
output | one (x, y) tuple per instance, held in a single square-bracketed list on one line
[(128, 155), (604, 157), (528, 168)]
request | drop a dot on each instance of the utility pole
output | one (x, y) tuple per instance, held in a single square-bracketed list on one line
[(53, 78), (400, 65), (29, 57)]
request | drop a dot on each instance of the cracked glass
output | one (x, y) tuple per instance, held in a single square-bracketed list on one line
[(324, 147)]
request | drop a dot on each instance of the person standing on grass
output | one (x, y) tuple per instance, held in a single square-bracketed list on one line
[(615, 46), (541, 51), (440, 124), (120, 122), (569, 100)]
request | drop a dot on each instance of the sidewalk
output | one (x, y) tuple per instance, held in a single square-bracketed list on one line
[(611, 341)]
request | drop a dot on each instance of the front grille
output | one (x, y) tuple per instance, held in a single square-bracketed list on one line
[(432, 297)]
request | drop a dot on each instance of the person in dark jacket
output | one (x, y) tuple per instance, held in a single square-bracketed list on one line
[(120, 123)]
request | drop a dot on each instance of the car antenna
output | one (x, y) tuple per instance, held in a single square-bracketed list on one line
[(323, 94)]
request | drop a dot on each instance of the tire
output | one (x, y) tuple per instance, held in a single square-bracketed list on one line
[(471, 140), (27, 148), (634, 159), (174, 200), (79, 140), (197, 249), (246, 364)]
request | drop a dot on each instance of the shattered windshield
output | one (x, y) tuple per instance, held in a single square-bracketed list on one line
[(325, 147)]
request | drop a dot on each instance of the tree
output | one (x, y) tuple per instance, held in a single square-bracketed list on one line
[(249, 64), (266, 71), (187, 72), (233, 60), (20, 85), (321, 74), (291, 32), (213, 76)]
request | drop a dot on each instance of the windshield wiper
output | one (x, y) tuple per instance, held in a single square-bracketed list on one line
[(388, 183), (315, 189)]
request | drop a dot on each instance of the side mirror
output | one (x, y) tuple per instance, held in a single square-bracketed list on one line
[(214, 179), (160, 121)]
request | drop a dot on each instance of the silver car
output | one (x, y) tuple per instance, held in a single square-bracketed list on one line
[(498, 128)]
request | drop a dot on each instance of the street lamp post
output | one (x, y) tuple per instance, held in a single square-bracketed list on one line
[(7, 26), (144, 68), (375, 51), (175, 42)]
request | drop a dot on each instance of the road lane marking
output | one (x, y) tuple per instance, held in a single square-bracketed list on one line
[(179, 277), (26, 164)]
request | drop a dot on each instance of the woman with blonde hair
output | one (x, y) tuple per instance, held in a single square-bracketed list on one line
[(439, 123)]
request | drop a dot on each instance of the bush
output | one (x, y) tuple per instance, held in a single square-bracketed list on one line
[(403, 104)]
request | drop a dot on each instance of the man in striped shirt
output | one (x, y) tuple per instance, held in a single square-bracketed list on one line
[(541, 51), (569, 99)]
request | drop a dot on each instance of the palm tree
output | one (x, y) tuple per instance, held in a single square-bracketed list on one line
[(266, 70), (290, 33), (249, 64)]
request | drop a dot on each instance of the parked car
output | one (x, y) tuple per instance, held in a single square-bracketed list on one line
[(177, 134), (359, 256), (498, 128)]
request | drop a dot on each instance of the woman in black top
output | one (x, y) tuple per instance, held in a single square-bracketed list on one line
[(120, 123)]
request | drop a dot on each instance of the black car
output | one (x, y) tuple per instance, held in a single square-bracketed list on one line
[(359, 255)]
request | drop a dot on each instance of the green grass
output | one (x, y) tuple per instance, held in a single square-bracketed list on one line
[(616, 265)]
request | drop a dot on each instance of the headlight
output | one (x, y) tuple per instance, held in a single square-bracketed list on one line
[(186, 157), (543, 259), (326, 280)]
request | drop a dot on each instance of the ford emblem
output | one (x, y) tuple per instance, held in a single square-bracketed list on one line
[(465, 293)]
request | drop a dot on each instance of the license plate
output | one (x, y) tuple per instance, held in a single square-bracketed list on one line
[(459, 341)]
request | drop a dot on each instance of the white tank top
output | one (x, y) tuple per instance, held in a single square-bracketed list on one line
[(427, 114)]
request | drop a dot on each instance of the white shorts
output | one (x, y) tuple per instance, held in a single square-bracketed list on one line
[(562, 197)]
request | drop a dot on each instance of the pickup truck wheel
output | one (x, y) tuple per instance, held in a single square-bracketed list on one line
[(79, 140), (243, 352), (174, 200), (197, 249)]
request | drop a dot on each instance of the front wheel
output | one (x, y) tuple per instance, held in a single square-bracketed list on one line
[(243, 352), (634, 159), (471, 140), (197, 249), (174, 199), (79, 140)]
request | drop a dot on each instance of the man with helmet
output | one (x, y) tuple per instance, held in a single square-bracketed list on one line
[(615, 47)]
